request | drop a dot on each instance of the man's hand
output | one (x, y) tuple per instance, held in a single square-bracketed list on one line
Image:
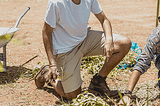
[(52, 74), (126, 101), (108, 50)]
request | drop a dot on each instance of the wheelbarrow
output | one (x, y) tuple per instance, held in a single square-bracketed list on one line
[(6, 34)]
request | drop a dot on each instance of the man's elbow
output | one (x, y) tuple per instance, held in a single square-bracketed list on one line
[(47, 29)]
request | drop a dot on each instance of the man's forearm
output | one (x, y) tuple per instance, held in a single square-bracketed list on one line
[(108, 31), (47, 40), (133, 80), (106, 25)]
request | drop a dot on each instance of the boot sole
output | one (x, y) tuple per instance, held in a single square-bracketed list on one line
[(37, 75), (101, 94)]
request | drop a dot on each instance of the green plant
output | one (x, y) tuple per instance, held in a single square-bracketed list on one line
[(88, 99), (94, 63), (30, 73)]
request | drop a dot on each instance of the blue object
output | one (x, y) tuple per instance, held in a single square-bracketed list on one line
[(136, 49)]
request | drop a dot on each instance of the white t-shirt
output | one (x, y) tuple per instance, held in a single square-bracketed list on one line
[(69, 22)]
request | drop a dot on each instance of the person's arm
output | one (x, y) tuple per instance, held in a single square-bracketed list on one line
[(143, 64), (131, 84), (133, 79), (107, 28), (47, 40)]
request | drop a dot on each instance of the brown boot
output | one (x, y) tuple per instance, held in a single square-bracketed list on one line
[(98, 86), (41, 76)]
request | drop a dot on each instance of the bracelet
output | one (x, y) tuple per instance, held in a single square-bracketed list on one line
[(127, 93), (52, 65)]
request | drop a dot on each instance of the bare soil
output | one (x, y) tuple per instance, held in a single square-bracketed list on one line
[(132, 18)]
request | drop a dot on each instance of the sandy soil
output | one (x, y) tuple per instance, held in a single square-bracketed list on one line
[(132, 18)]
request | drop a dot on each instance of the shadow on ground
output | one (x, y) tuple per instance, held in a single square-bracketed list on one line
[(12, 74), (52, 90)]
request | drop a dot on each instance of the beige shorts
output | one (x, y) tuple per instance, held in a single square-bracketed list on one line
[(69, 63)]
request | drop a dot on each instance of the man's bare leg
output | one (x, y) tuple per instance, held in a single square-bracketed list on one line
[(121, 47), (57, 85)]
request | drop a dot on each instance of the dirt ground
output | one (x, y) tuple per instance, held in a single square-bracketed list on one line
[(132, 18)]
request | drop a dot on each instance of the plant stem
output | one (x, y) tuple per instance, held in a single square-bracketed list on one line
[(157, 13)]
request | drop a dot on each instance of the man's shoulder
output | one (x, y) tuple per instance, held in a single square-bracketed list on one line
[(57, 1)]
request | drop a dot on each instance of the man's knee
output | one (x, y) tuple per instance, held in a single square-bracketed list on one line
[(126, 42), (123, 43), (71, 95)]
